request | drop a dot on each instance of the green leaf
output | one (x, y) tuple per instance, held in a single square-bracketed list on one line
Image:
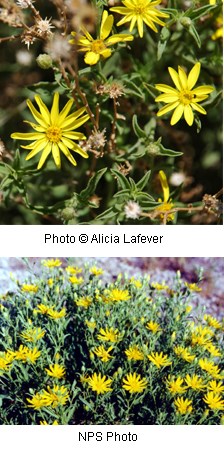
[(138, 131), (121, 179), (151, 90), (200, 11), (193, 32), (166, 152), (92, 184), (144, 181), (132, 88), (106, 215), (164, 37)]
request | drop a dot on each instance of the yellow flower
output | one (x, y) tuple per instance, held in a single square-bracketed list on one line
[(43, 309), (45, 423), (108, 334), (56, 314), (32, 334), (212, 349), (193, 287), (36, 402), (73, 270), (56, 371), (32, 355), (52, 263), (134, 383), (143, 11), (50, 282), (194, 382), (96, 48), (96, 271), (212, 321), (216, 387), (54, 132), (176, 386), (159, 287), (4, 363), (214, 401), (76, 280), (29, 288), (184, 353), (56, 396), (136, 282), (184, 99), (102, 353), (183, 406), (134, 353), (91, 324), (84, 302), (21, 353), (153, 326), (159, 359), (210, 367), (218, 23), (99, 383), (116, 295), (166, 204)]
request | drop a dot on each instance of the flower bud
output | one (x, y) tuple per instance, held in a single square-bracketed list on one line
[(153, 149), (44, 61)]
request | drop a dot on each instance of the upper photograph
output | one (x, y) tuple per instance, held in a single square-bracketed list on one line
[(111, 112)]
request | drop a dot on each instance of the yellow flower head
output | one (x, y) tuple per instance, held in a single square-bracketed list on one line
[(91, 324), (115, 295), (29, 288), (136, 282), (103, 354), (153, 326), (214, 401), (159, 287), (32, 355), (194, 382), (96, 271), (143, 11), (134, 383), (84, 302), (184, 354), (56, 314), (216, 387), (176, 386), (73, 270), (108, 334), (193, 287), (45, 423), (212, 321), (96, 48), (56, 371), (52, 263), (159, 359), (36, 402), (166, 204), (76, 280), (183, 406), (134, 353), (54, 132), (184, 99), (99, 383), (56, 396), (32, 334)]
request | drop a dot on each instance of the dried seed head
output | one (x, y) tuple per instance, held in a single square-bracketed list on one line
[(28, 38), (44, 27), (24, 3), (132, 210), (212, 204), (58, 47), (114, 89)]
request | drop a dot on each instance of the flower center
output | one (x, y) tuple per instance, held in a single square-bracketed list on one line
[(97, 46), (140, 8), (54, 134), (186, 97)]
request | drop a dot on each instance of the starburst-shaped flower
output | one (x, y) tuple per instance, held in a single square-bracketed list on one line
[(99, 47), (183, 99), (134, 383), (143, 11), (54, 132)]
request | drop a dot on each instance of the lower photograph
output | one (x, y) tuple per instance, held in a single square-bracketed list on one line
[(112, 341)]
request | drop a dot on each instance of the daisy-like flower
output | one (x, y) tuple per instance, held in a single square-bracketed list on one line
[(136, 282), (91, 324), (183, 406), (108, 334), (194, 382), (43, 309), (134, 383), (184, 99), (210, 367), (143, 11), (52, 263), (56, 396), (73, 270), (212, 321), (54, 132), (159, 359), (184, 353), (56, 371), (76, 280), (193, 287), (96, 48), (45, 423), (153, 326), (214, 401), (103, 354), (116, 295), (99, 383), (166, 204), (29, 288), (32, 355), (176, 386), (36, 402), (21, 353), (159, 287), (96, 271), (84, 302), (216, 387), (32, 334), (212, 349), (56, 314), (134, 353)]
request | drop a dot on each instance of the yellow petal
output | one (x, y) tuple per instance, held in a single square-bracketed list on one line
[(86, 33), (182, 77), (91, 58), (188, 115), (56, 155), (55, 109), (67, 153), (193, 75), (71, 118), (178, 112), (74, 135), (132, 24), (174, 76), (34, 126), (76, 123), (73, 146), (140, 26), (65, 111), (203, 90), (119, 38), (43, 109), (105, 53), (106, 25), (38, 117), (167, 97), (27, 135), (44, 155), (198, 108), (166, 88), (167, 108), (165, 186), (37, 148)]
